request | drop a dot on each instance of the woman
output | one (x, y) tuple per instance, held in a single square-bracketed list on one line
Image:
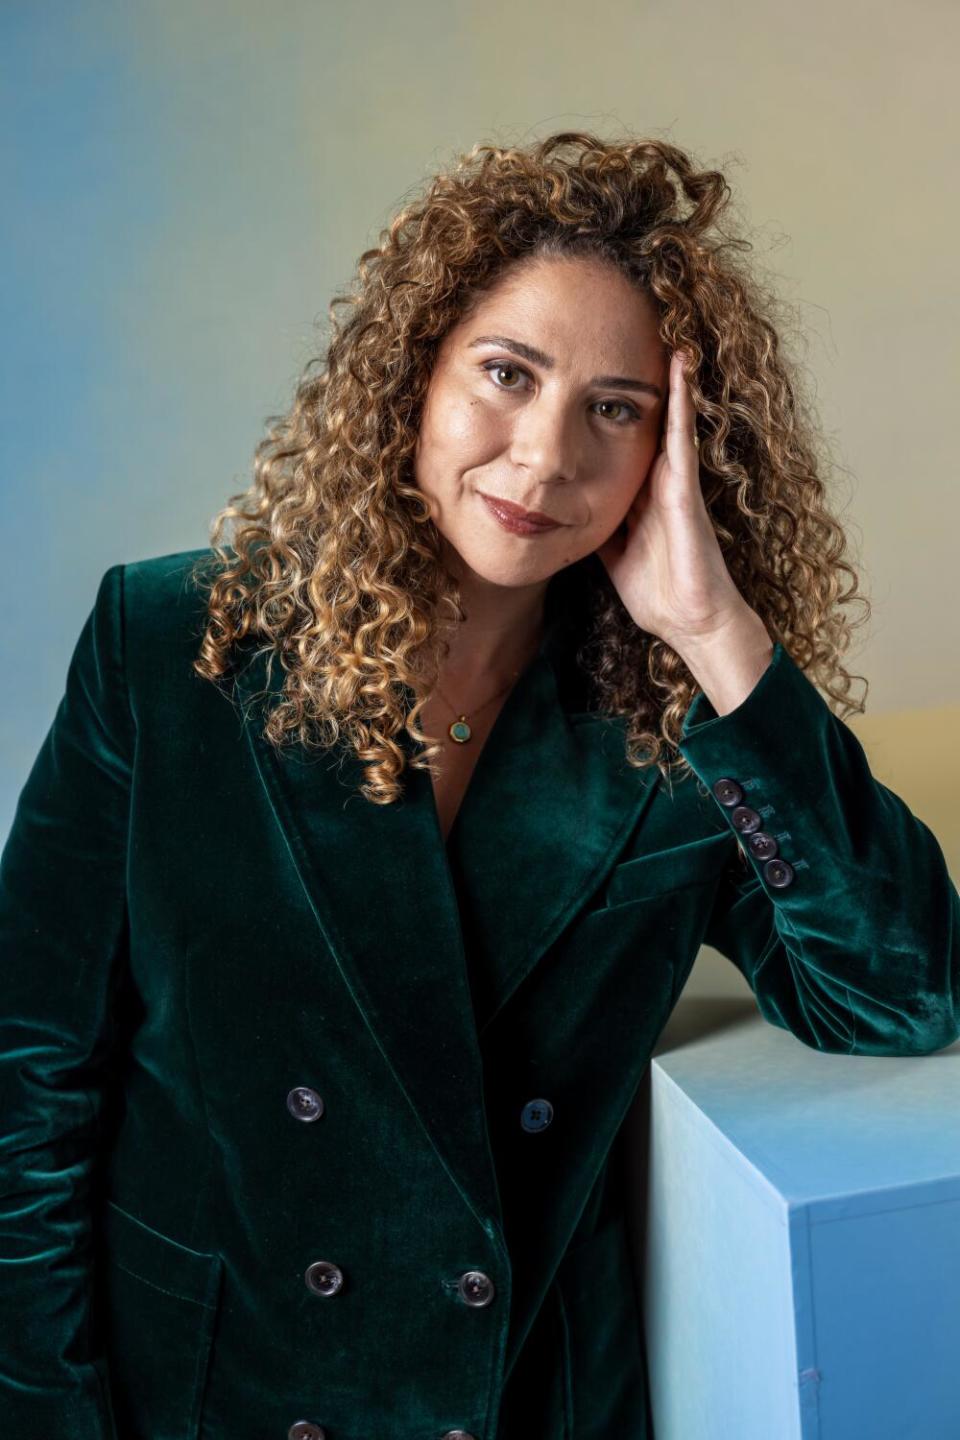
[(361, 866)]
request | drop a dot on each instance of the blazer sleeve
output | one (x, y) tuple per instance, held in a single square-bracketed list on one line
[(63, 935), (859, 952)]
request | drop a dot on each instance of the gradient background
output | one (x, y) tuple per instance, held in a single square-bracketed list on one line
[(185, 186)]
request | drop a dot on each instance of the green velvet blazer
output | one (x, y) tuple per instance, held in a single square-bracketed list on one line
[(265, 1169)]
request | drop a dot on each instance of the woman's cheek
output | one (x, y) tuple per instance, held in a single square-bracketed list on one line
[(462, 420)]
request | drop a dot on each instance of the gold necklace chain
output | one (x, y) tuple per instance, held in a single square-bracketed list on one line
[(460, 729)]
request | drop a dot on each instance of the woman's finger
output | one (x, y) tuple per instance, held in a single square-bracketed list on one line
[(679, 430)]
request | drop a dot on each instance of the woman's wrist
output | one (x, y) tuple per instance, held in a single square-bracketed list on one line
[(728, 663)]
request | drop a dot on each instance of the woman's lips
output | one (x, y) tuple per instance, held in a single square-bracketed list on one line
[(515, 519)]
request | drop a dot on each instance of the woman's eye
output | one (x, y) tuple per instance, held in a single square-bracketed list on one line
[(629, 412), (504, 365)]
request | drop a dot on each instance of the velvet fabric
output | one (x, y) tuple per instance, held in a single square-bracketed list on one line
[(192, 925)]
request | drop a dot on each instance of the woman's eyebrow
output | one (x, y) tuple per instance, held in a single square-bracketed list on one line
[(538, 357)]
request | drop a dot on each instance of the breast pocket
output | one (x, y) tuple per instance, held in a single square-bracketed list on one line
[(699, 862), (160, 1306)]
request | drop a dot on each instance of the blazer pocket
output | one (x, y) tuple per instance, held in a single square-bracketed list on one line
[(605, 1378), (161, 1301), (696, 863)]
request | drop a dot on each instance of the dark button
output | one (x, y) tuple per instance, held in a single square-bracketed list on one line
[(475, 1288), (727, 791), (323, 1277), (744, 819), (304, 1103), (778, 874), (457, 1435), (761, 845), (304, 1430), (536, 1115)]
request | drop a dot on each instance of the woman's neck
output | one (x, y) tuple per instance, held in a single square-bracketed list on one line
[(499, 637)]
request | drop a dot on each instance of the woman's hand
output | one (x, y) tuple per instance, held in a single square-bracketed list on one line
[(668, 569)]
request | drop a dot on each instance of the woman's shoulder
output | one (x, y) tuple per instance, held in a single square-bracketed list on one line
[(169, 578), (165, 596), (164, 602)]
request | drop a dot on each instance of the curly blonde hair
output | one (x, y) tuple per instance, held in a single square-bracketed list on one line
[(335, 564)]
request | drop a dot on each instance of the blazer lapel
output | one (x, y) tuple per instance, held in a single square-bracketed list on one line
[(549, 805)]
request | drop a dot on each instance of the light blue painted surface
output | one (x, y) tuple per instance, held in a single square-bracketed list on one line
[(803, 1241)]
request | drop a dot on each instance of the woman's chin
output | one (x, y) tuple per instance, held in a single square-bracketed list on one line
[(513, 572)]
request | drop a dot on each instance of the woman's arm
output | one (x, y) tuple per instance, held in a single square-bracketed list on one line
[(859, 952), (62, 943)]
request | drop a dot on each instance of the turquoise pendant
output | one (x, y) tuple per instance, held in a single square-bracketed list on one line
[(460, 730)]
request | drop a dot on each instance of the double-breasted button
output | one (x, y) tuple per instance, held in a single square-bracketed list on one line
[(323, 1277), (744, 819), (475, 1288), (304, 1103), (536, 1115), (761, 845), (778, 873), (727, 791), (306, 1430)]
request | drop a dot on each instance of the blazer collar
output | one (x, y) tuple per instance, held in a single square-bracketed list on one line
[(550, 804)]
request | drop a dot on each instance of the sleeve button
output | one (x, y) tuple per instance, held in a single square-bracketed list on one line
[(744, 819), (778, 874), (727, 791), (761, 845)]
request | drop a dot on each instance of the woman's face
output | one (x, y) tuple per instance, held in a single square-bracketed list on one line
[(550, 395)]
